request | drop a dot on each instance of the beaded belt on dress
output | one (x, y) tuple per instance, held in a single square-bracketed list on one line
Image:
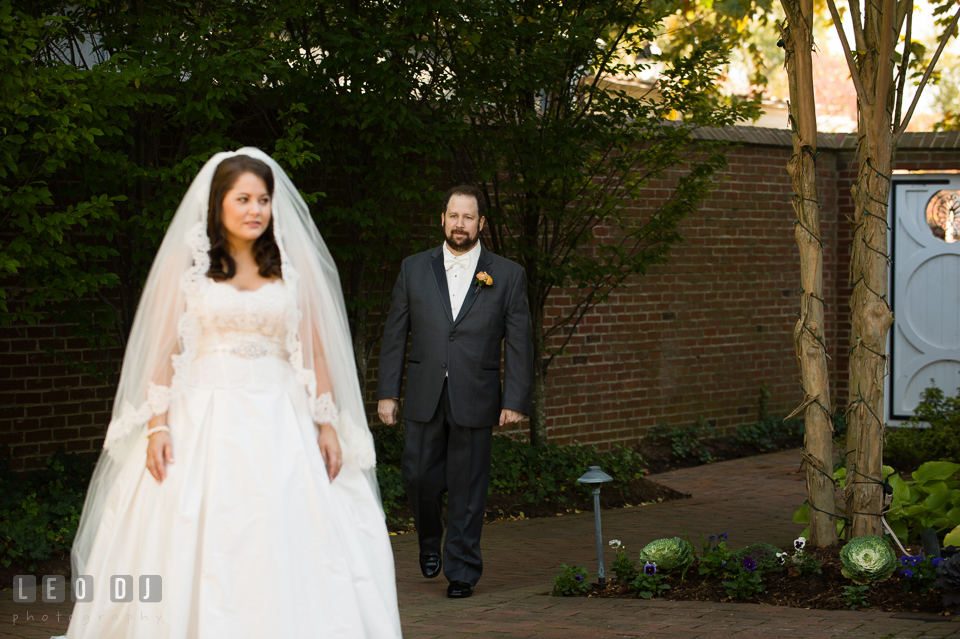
[(247, 350)]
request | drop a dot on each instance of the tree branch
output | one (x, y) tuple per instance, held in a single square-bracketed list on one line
[(888, 39), (857, 18), (851, 63), (926, 76), (904, 64)]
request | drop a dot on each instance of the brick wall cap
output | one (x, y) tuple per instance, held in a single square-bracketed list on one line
[(781, 138)]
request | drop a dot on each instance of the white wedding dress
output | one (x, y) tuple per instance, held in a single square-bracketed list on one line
[(249, 536)]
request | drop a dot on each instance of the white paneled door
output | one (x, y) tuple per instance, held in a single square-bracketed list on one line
[(925, 286)]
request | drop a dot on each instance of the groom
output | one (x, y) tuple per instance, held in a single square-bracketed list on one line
[(457, 302)]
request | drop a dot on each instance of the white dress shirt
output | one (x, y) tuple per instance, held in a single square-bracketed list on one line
[(460, 275)]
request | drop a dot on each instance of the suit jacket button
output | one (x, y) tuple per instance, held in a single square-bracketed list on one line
[(444, 365), (451, 338)]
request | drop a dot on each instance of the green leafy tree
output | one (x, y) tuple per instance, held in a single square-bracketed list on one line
[(375, 75), (113, 108), (561, 158)]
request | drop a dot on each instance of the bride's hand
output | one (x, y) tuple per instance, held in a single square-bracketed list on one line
[(159, 453), (330, 450)]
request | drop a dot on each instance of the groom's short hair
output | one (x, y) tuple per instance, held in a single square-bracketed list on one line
[(466, 189)]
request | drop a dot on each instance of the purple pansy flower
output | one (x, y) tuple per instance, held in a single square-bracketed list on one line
[(749, 564), (907, 573), (650, 568), (904, 559), (916, 561), (578, 577)]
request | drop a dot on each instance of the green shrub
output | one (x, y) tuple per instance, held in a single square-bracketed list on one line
[(39, 514), (536, 474), (908, 447), (745, 580), (533, 475), (648, 584), (763, 554), (572, 580), (768, 434), (685, 441)]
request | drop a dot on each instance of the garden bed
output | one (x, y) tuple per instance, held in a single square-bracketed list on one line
[(513, 506), (790, 588)]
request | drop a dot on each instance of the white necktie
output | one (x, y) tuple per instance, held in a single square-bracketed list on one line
[(463, 261)]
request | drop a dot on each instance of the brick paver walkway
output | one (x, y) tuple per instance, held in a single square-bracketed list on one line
[(753, 499)]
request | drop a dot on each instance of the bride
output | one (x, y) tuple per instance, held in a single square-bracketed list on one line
[(236, 495)]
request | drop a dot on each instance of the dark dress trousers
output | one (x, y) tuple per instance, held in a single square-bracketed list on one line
[(454, 396)]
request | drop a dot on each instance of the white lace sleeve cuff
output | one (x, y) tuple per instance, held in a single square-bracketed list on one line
[(158, 399), (325, 411)]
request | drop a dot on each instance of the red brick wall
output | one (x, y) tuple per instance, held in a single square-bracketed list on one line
[(45, 404), (696, 337), (700, 335)]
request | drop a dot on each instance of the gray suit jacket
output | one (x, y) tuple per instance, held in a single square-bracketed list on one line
[(467, 348)]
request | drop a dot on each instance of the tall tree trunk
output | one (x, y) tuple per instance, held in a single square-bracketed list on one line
[(358, 322), (870, 313), (808, 332), (871, 318), (538, 405)]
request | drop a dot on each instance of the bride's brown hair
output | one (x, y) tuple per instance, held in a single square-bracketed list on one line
[(265, 249)]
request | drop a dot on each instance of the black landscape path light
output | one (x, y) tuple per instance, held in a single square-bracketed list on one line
[(596, 478)]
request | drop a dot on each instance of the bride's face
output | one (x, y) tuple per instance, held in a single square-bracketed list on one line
[(246, 210)]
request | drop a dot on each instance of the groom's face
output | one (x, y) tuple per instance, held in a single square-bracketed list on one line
[(462, 223)]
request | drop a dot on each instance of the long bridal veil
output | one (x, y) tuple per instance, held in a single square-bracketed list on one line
[(162, 342)]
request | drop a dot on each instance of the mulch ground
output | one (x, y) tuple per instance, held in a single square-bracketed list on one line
[(661, 458), (509, 507), (822, 592)]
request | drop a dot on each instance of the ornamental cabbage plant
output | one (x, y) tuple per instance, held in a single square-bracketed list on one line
[(668, 554), (867, 560)]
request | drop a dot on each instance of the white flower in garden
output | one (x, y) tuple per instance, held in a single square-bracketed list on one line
[(781, 558), (799, 543), (614, 543)]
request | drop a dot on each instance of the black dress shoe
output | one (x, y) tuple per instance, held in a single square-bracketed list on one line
[(459, 590), (430, 565)]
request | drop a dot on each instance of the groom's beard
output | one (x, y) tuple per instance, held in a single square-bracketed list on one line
[(463, 242)]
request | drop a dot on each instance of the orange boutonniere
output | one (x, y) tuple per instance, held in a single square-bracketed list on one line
[(483, 280)]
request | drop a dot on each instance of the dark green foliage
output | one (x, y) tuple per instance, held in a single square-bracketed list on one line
[(572, 580), (39, 515), (745, 579), (807, 564), (648, 584), (908, 447), (392, 492), (763, 554), (534, 474), (388, 443), (919, 573), (623, 567), (109, 109), (559, 153), (714, 555), (856, 596), (685, 441), (769, 434)]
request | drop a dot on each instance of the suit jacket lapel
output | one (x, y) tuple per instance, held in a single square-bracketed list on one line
[(440, 274), (483, 264)]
